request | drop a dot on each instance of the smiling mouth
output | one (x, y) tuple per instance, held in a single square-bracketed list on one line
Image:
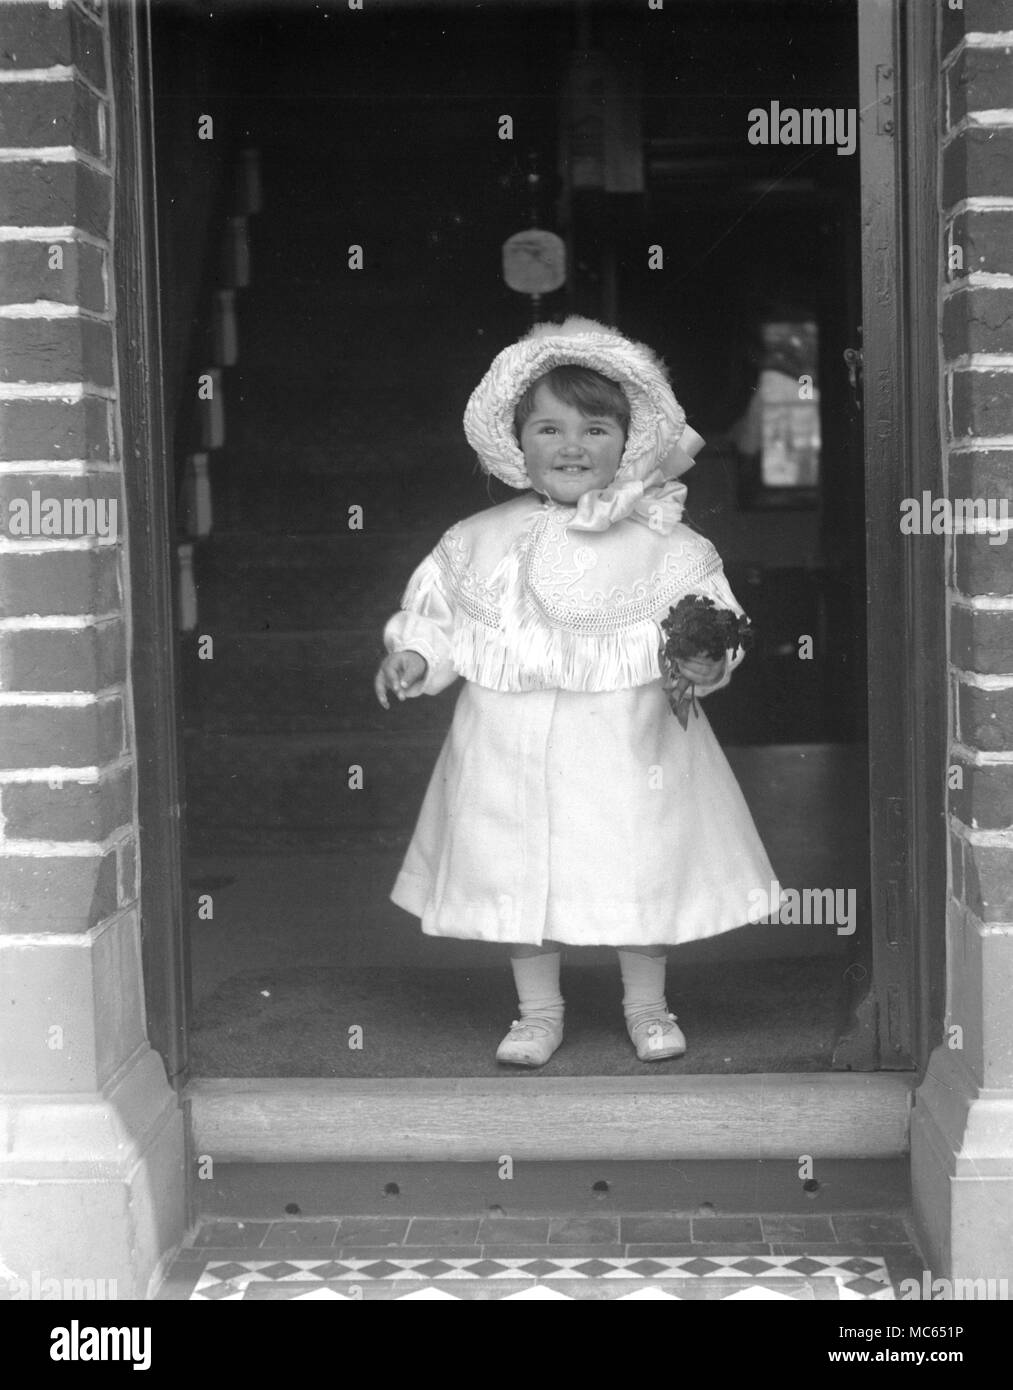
[(571, 468)]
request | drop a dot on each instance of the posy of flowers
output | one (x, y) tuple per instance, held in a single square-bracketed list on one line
[(696, 627)]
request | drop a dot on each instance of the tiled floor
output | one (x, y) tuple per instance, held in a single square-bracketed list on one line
[(540, 1257)]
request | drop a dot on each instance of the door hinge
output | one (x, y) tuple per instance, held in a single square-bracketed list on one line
[(886, 95)]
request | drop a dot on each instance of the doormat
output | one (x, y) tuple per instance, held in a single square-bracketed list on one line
[(754, 1016)]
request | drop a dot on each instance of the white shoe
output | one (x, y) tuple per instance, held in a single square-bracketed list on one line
[(530, 1042), (657, 1038)]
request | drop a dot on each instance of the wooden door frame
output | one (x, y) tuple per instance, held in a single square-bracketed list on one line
[(656, 1117), (900, 1015), (150, 502)]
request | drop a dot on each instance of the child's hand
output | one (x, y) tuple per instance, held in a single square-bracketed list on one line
[(701, 671), (401, 672)]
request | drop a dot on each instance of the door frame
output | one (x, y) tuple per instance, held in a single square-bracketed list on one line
[(149, 485), (862, 1114), (901, 1013)]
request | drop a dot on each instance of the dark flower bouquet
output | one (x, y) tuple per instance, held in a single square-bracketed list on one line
[(696, 627)]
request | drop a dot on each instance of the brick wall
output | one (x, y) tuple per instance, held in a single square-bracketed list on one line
[(67, 819), (977, 367)]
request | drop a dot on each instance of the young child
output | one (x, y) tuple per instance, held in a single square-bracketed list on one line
[(568, 805)]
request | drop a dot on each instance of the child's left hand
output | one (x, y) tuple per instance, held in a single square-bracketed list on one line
[(699, 672)]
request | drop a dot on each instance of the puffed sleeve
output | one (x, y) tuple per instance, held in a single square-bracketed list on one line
[(715, 587), (424, 624)]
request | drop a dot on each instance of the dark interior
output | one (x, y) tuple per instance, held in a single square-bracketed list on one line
[(378, 128)]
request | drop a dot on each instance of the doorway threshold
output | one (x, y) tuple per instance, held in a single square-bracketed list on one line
[(478, 1119)]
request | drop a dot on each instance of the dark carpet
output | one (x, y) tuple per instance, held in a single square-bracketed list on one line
[(754, 1016)]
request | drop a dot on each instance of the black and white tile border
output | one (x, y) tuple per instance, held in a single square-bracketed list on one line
[(790, 1277)]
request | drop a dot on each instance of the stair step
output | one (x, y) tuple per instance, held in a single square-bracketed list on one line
[(304, 582), (298, 683), (245, 789), (206, 837), (259, 601), (223, 554), (310, 501)]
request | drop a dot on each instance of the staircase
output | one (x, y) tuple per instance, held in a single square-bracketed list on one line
[(348, 391)]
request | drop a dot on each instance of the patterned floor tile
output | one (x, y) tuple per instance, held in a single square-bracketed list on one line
[(566, 1277)]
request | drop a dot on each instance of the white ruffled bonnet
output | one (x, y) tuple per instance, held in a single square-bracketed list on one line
[(659, 447)]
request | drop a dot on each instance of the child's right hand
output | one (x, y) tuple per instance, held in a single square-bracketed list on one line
[(401, 672)]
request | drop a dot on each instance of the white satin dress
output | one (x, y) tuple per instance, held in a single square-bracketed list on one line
[(567, 802)]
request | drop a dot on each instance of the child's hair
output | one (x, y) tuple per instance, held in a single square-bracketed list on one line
[(582, 387)]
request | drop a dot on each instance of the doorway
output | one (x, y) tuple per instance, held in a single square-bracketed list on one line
[(347, 391)]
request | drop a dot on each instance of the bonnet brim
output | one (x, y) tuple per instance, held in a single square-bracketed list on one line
[(657, 421)]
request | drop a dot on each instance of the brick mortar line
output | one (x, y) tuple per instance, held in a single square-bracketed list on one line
[(981, 839), (55, 5), (66, 849), (55, 391), (47, 309), (65, 545), (54, 154), (977, 757), (991, 118), (978, 280), (989, 928), (92, 775), (59, 622), (982, 603), (976, 39), (15, 941), (10, 231), (82, 940), (1001, 602), (68, 468), (979, 362), (978, 681), (59, 699), (57, 74), (981, 927), (975, 443), (978, 202)]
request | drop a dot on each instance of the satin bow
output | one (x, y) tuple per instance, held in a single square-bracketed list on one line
[(656, 500)]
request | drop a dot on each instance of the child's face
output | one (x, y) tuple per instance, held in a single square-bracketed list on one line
[(566, 453)]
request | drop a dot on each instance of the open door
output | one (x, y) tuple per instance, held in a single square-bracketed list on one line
[(321, 338)]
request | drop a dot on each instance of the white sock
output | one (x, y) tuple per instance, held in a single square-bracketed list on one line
[(537, 981), (643, 985)]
